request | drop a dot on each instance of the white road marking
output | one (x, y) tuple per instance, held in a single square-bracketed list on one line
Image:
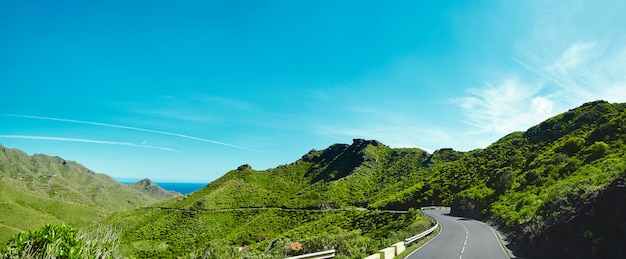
[(464, 242)]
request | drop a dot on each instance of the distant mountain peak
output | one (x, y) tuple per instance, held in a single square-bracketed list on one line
[(144, 182), (154, 190)]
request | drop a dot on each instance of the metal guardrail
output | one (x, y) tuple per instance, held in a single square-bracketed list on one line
[(331, 253), (420, 235), (427, 232), (317, 255)]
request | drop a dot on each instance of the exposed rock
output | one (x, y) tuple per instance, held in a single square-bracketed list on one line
[(244, 167), (364, 143)]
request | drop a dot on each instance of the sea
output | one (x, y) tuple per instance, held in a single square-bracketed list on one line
[(183, 188)]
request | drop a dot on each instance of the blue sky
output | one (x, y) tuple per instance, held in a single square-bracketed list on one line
[(187, 90)]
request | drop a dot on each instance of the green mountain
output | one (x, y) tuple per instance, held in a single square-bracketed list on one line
[(313, 201), (556, 190), (153, 190), (39, 189), (555, 185)]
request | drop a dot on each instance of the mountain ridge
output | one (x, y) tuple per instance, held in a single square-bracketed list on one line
[(49, 189)]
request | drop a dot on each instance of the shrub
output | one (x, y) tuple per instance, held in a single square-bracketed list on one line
[(595, 151), (62, 241), (573, 145)]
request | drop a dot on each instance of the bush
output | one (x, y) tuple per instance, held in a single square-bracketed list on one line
[(573, 145), (62, 241), (595, 151)]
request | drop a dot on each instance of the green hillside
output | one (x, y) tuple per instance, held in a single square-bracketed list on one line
[(39, 189), (527, 182), (556, 190), (297, 202)]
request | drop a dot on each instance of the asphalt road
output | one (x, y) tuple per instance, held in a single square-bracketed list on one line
[(460, 238)]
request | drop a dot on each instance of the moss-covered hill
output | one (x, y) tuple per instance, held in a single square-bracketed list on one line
[(39, 189), (537, 185)]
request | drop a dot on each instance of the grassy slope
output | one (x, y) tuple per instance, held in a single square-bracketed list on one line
[(341, 176), (533, 181), (566, 159), (39, 189)]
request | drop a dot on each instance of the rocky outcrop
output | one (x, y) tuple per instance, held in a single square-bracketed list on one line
[(338, 161), (244, 167)]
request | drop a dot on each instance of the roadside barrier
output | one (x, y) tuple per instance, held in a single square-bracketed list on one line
[(386, 253), (318, 255), (420, 235)]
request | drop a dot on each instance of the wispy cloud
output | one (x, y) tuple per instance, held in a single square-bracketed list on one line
[(392, 128), (127, 128), (583, 72), (577, 54), (587, 72), (509, 106), (87, 141)]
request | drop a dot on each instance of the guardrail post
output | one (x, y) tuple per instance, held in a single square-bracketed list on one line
[(399, 247), (387, 253)]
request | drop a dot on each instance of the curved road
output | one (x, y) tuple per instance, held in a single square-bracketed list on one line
[(460, 238)]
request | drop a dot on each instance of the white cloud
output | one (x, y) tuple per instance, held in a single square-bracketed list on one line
[(127, 128), (393, 129), (582, 72), (509, 106), (593, 73), (87, 141), (577, 54)]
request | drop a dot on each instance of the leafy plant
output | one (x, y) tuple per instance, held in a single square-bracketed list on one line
[(62, 241)]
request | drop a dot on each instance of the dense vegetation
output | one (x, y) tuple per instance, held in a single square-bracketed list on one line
[(36, 190), (262, 233), (312, 201), (63, 242), (541, 185)]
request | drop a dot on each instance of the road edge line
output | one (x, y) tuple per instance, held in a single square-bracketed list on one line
[(500, 241), (440, 229)]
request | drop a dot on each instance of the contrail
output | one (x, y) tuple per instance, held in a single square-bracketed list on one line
[(128, 128), (87, 141)]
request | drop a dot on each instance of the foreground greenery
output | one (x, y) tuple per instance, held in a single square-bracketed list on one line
[(263, 233), (63, 242)]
